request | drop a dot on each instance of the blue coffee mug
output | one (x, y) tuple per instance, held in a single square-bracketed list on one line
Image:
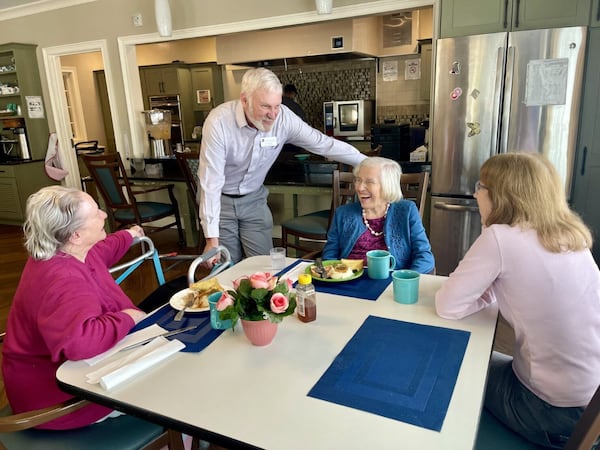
[(215, 321), (379, 264), (406, 286)]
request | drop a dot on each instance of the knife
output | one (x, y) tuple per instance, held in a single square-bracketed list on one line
[(166, 334)]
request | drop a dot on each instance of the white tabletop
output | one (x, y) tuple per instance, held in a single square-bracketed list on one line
[(258, 395)]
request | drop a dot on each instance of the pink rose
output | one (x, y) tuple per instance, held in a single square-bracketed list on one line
[(236, 283), (289, 284), (262, 280), (279, 303), (225, 301)]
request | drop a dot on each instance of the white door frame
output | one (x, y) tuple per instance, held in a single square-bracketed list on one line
[(53, 66)]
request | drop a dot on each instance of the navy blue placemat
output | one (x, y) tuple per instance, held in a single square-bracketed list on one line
[(400, 370), (362, 287), (195, 340)]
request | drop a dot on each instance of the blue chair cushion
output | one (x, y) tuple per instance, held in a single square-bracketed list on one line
[(314, 223), (493, 435), (123, 433), (146, 209)]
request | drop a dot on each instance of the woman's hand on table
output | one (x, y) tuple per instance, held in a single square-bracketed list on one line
[(135, 314)]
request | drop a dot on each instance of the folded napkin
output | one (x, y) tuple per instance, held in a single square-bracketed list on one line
[(292, 271), (362, 287), (195, 340), (118, 371), (400, 370), (130, 339)]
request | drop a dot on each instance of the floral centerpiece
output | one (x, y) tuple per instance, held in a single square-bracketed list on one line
[(260, 296)]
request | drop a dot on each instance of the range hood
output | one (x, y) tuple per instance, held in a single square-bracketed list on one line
[(305, 60)]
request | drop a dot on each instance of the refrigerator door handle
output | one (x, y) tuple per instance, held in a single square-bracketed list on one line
[(508, 83), (456, 208), (497, 100)]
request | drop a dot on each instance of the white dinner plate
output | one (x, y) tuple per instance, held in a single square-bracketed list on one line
[(178, 300)]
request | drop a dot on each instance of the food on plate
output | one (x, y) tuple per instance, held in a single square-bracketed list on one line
[(355, 264), (340, 271), (200, 292), (337, 270)]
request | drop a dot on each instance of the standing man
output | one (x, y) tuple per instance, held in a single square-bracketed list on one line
[(240, 141), (289, 99)]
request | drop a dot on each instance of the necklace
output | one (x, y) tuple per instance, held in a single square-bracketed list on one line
[(366, 222)]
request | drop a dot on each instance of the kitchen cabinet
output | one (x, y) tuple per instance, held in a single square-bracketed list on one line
[(586, 177), (207, 86), (595, 14), (19, 79), (466, 17), (161, 80), (426, 55), (17, 183)]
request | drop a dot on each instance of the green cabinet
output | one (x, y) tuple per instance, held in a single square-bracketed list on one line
[(595, 14), (466, 17), (21, 102), (207, 86), (17, 183), (425, 86), (586, 176), (164, 80)]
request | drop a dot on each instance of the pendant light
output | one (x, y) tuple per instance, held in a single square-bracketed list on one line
[(324, 6), (162, 11)]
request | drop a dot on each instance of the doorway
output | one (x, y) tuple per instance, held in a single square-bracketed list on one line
[(88, 58)]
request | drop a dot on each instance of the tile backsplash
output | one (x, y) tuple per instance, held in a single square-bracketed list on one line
[(347, 80)]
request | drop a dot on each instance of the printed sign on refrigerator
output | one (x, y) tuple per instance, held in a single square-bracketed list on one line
[(546, 82)]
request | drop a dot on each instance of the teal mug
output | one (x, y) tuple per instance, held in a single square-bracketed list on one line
[(406, 286), (379, 264), (215, 321)]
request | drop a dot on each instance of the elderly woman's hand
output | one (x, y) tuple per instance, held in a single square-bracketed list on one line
[(136, 231)]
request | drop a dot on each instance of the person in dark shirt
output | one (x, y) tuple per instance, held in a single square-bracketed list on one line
[(289, 99)]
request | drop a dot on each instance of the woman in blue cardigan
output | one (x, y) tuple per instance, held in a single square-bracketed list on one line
[(381, 220)]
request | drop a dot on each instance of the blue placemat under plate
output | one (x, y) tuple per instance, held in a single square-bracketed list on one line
[(400, 370), (362, 287), (195, 340)]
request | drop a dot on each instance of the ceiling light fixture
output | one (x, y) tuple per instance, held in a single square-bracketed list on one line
[(162, 11)]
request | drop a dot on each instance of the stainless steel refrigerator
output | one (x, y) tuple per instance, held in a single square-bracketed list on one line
[(495, 93)]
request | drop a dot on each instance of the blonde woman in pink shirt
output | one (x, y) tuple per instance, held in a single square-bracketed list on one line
[(533, 258)]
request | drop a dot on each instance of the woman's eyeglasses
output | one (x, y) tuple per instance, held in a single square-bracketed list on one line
[(479, 186)]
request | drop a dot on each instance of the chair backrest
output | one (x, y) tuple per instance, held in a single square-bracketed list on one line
[(343, 190), (414, 187), (587, 429), (188, 163), (87, 147), (110, 178)]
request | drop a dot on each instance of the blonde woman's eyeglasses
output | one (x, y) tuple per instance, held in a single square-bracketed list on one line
[(479, 186)]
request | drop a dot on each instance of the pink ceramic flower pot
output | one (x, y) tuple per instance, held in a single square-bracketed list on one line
[(259, 332)]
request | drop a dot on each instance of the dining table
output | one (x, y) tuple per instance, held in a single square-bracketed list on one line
[(368, 373)]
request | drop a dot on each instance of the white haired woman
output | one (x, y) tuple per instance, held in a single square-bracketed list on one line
[(533, 258), (67, 305), (380, 220)]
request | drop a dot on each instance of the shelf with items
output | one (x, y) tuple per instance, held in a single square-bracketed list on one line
[(21, 105)]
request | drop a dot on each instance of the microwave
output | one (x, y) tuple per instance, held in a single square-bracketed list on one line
[(350, 119)]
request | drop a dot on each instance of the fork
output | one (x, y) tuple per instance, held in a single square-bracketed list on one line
[(186, 305)]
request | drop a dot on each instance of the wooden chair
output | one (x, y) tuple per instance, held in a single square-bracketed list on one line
[(119, 196), (414, 187), (493, 435), (296, 233)]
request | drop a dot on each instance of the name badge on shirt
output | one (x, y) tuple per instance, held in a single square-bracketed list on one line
[(270, 141)]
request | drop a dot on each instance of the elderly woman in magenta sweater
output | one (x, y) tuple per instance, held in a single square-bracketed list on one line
[(533, 258), (380, 220), (67, 305)]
